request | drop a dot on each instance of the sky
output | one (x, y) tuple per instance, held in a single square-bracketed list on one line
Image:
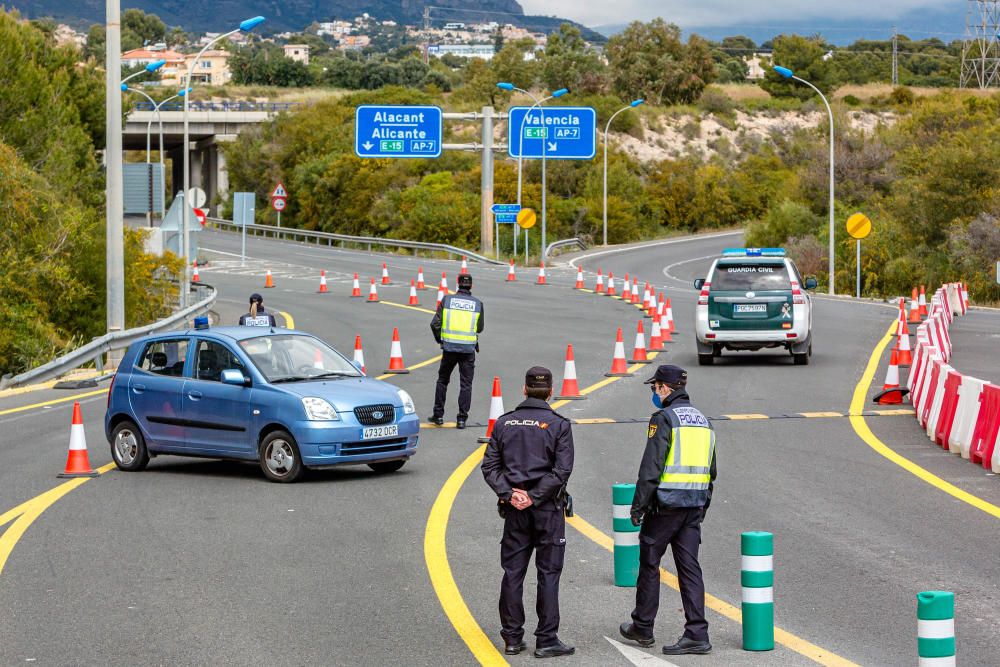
[(732, 12)]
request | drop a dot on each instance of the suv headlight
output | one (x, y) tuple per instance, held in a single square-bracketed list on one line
[(318, 409), (408, 407)]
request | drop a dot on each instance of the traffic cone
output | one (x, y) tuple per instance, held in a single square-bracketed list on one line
[(322, 282), (195, 278), (891, 393), (413, 294), (635, 291), (356, 287), (903, 328), (465, 266), (619, 368), (444, 282), (600, 282), (627, 289), (373, 293), (396, 365), (510, 273), (639, 351), (611, 283), (496, 409), (440, 298), (570, 388), (651, 311), (359, 354), (905, 357), (385, 274), (914, 307), (77, 461), (669, 312), (656, 335), (268, 280), (317, 359), (420, 279), (645, 298), (664, 320), (541, 274), (579, 278), (922, 303)]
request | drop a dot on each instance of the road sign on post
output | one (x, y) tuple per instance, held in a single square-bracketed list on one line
[(397, 131), (279, 191), (279, 199), (506, 218), (859, 227), (278, 204), (499, 209), (567, 133)]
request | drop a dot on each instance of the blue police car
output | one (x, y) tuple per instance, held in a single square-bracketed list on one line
[(281, 397)]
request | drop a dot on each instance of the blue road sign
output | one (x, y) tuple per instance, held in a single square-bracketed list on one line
[(397, 131), (506, 208), (506, 218), (568, 133)]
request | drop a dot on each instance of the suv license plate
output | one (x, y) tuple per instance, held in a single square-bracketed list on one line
[(372, 432), (750, 308)]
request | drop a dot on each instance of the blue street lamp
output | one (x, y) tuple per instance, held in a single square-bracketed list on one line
[(789, 74), (607, 127)]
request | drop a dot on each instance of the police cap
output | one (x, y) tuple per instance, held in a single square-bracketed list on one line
[(464, 280), (538, 377), (669, 374)]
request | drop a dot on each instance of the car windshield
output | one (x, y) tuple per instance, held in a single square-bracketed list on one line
[(751, 277), (292, 358)]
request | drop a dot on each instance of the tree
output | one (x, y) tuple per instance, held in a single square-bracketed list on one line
[(498, 39), (568, 62), (267, 65), (804, 56)]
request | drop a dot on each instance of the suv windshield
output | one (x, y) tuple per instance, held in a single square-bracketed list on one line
[(751, 277), (291, 358)]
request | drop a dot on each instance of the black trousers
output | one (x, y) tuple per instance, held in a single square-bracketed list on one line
[(681, 530), (466, 363), (524, 531)]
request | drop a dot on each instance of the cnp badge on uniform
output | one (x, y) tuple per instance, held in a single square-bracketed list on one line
[(652, 431), (258, 321)]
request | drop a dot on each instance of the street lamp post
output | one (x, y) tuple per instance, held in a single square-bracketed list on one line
[(245, 26), (607, 127), (788, 74)]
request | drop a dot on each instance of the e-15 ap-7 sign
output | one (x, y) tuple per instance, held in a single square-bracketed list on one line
[(384, 131)]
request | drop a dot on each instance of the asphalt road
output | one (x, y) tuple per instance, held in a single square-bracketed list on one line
[(192, 561)]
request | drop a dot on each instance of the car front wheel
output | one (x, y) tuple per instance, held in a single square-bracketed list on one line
[(128, 447), (279, 457)]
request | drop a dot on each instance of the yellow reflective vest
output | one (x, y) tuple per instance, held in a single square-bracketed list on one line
[(686, 475), (460, 315)]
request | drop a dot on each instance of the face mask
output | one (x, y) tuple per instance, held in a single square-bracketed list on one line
[(657, 402)]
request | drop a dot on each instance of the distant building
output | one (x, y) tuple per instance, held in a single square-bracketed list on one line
[(484, 51), (334, 28), (66, 35), (353, 42), (212, 69), (454, 26), (297, 52)]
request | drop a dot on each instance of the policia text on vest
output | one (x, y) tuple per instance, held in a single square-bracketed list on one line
[(456, 327)]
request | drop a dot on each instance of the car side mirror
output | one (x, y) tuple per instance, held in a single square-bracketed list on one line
[(236, 377), (811, 283), (699, 283)]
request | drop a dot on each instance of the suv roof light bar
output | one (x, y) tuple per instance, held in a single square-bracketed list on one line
[(753, 252)]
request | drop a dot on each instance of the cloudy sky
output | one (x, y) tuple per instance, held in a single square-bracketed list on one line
[(730, 12)]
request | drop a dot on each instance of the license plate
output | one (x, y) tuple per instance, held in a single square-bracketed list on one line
[(750, 308), (387, 431)]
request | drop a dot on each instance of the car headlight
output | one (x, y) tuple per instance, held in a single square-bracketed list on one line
[(318, 409), (408, 407)]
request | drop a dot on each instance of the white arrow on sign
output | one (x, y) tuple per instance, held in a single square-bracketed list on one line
[(368, 145), (637, 657), (553, 147)]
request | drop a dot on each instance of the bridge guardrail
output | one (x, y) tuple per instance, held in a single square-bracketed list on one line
[(329, 238), (565, 243), (98, 347), (237, 105)]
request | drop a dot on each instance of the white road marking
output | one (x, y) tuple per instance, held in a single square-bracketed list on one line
[(637, 657), (686, 239)]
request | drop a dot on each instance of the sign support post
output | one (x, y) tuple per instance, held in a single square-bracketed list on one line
[(486, 188)]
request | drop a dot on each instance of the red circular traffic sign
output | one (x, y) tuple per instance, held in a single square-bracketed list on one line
[(278, 204), (200, 214)]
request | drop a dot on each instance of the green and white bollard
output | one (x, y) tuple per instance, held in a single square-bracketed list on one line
[(757, 579), (936, 629), (626, 535)]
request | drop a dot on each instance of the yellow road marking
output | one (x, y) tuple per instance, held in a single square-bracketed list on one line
[(27, 512), (786, 639), (889, 413), (55, 401), (402, 305), (289, 322), (820, 414), (869, 438), (386, 376), (72, 375), (747, 416), (595, 420)]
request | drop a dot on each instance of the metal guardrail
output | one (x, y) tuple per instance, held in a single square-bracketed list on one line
[(328, 238), (98, 347), (565, 243), (270, 107)]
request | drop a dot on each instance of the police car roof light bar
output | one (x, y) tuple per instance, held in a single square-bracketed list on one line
[(201, 322), (753, 252)]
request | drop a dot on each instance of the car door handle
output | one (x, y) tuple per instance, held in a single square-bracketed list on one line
[(138, 388), (194, 395)]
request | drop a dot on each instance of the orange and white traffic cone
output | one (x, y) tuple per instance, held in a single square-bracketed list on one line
[(635, 291), (413, 294), (511, 277), (905, 357), (891, 394), (579, 278), (77, 461), (619, 368), (541, 274), (195, 278), (656, 334), (570, 387), (268, 280), (669, 313), (322, 282), (359, 354), (664, 320), (639, 350), (465, 266), (922, 303), (372, 293), (496, 409), (396, 365), (599, 289), (651, 309), (645, 298), (914, 307), (611, 283), (627, 289), (317, 359), (903, 328), (420, 279), (385, 274), (440, 298), (444, 282), (356, 287)]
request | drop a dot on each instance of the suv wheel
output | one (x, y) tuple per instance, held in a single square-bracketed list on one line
[(801, 359), (386, 466), (279, 457), (128, 447), (706, 359)]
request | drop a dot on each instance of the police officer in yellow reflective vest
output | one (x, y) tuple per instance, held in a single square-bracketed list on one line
[(672, 493), (456, 325)]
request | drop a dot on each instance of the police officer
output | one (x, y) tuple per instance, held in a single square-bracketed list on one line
[(456, 325), (672, 494), (257, 317), (527, 463)]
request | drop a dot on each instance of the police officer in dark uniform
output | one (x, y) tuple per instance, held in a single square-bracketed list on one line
[(456, 325), (527, 463), (257, 317), (672, 493)]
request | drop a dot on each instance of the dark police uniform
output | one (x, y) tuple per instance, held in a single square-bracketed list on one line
[(672, 493), (456, 325), (531, 448), (262, 319)]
